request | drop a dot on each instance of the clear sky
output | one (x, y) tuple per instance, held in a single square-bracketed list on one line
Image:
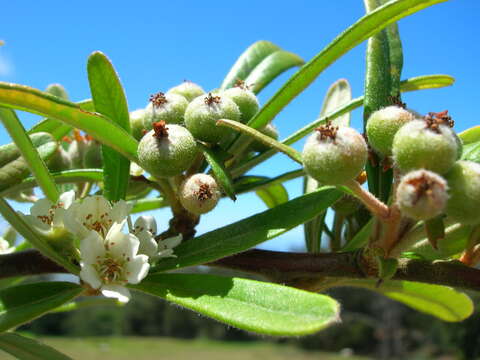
[(157, 44)]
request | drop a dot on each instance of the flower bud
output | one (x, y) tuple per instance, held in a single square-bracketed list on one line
[(334, 155), (137, 123), (189, 90), (382, 126), (167, 150), (165, 107), (268, 130), (203, 112), (199, 193), (464, 183), (423, 145), (246, 101), (422, 195)]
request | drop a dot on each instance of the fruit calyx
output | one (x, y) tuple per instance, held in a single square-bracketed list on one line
[(327, 131), (204, 192), (158, 99), (424, 186), (160, 130), (210, 99), (434, 120)]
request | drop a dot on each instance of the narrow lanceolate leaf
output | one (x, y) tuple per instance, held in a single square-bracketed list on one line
[(271, 67), (23, 303), (100, 127), (273, 195), (244, 234), (471, 152), (63, 177), (10, 152), (252, 183), (260, 307), (357, 33), (219, 171), (24, 348), (440, 301), (361, 238), (147, 204), (267, 140), (435, 229), (29, 153), (426, 82), (109, 100), (17, 222), (56, 128), (250, 58)]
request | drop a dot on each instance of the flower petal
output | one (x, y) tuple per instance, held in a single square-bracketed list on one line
[(90, 275), (148, 245), (145, 223), (35, 222), (171, 242), (119, 244), (92, 247), (120, 211), (66, 199), (137, 268), (41, 207), (116, 291), (72, 221)]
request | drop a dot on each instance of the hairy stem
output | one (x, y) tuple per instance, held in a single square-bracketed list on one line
[(376, 207)]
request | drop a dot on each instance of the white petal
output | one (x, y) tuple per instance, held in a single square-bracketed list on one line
[(90, 276), (121, 245), (137, 268), (71, 220), (95, 206), (120, 211), (58, 217), (91, 248), (5, 246), (67, 198), (164, 254), (116, 291), (135, 170), (172, 242), (35, 222), (146, 223), (148, 245), (41, 207)]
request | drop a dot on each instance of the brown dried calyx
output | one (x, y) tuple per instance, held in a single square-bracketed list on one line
[(210, 99), (158, 99), (434, 120), (204, 192), (160, 129), (241, 84), (424, 186), (327, 131)]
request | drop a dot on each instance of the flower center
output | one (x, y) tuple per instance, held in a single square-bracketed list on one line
[(48, 218), (111, 270), (100, 224)]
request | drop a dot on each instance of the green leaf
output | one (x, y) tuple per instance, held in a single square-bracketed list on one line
[(147, 204), (10, 152), (338, 94), (250, 58), (252, 183), (244, 234), (101, 128), (364, 28), (257, 135), (426, 82), (386, 267), (219, 171), (24, 348), (56, 128), (440, 301), (250, 305), (17, 222), (88, 302), (29, 153), (109, 100), (271, 66), (361, 238), (435, 229), (16, 170), (23, 303), (273, 195), (62, 177), (471, 152)]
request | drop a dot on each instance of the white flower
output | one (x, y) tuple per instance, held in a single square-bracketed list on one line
[(144, 229), (109, 264), (135, 169), (95, 213), (5, 247), (46, 216)]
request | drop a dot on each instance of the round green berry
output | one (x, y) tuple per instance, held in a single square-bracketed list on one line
[(188, 90), (464, 183), (165, 107), (137, 123), (422, 195), (418, 145), (382, 126), (203, 112), (199, 193), (270, 131), (167, 150), (246, 101), (334, 155)]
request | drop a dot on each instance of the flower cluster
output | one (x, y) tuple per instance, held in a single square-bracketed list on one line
[(109, 257)]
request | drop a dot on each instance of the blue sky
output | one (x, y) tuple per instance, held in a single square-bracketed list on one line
[(157, 44)]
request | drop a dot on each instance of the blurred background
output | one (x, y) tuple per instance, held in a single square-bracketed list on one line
[(155, 45)]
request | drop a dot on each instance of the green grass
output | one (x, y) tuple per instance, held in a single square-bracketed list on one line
[(145, 348)]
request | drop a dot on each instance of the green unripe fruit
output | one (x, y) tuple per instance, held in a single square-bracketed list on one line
[(464, 183), (92, 157), (422, 195), (270, 131), (199, 193), (165, 107), (188, 90), (202, 114), (167, 150), (382, 126), (334, 155), (417, 145), (137, 123), (60, 161), (246, 101)]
